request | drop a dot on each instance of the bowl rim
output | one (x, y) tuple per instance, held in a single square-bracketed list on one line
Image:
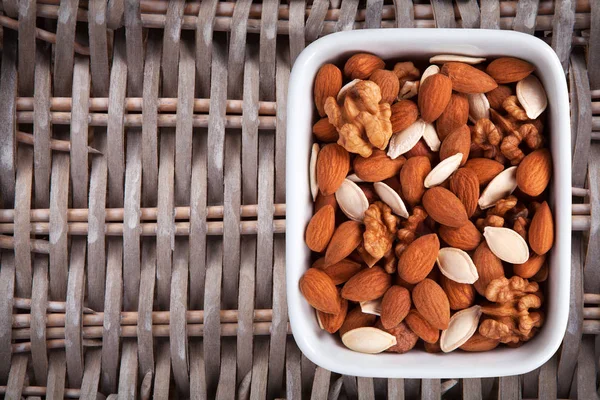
[(470, 42)]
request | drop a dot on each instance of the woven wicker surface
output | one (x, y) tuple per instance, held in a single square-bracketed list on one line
[(144, 241)]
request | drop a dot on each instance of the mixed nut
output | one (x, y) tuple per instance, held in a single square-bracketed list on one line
[(430, 215)]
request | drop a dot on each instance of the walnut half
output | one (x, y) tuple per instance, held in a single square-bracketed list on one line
[(381, 226)]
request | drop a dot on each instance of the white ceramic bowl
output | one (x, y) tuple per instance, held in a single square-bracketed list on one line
[(326, 350)]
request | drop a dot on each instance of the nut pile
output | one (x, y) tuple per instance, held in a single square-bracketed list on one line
[(430, 216)]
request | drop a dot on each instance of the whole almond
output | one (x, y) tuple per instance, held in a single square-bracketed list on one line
[(465, 185), (388, 83), (328, 83), (412, 178), (323, 201), (421, 327), (320, 292), (432, 347), (534, 171), (341, 271), (444, 207), (395, 305), (332, 167), (468, 79), (362, 65), (489, 267), (541, 230), (405, 338), (356, 319), (345, 239), (420, 149), (432, 303), (459, 141), (418, 259), (509, 69), (497, 96), (454, 116), (460, 295), (466, 237), (478, 342), (324, 131), (531, 267), (485, 169), (404, 114), (333, 322), (377, 167), (320, 229), (434, 96), (368, 284)]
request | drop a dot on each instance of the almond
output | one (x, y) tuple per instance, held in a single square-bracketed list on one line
[(325, 132), (333, 322), (388, 83), (454, 116), (466, 237), (368, 340), (489, 267), (368, 284), (443, 170), (412, 179), (421, 327), (431, 302), (468, 79), (460, 295), (362, 65), (506, 244), (434, 96), (320, 229), (497, 96), (418, 259), (485, 169), (478, 342), (420, 149), (377, 167), (509, 69), (320, 292), (530, 267), (462, 326), (404, 114), (534, 171), (459, 141), (457, 265), (432, 347), (395, 305), (328, 83), (465, 185), (341, 271), (405, 338), (323, 201), (352, 200), (444, 207), (345, 239), (542, 274), (541, 230), (332, 167), (356, 319)]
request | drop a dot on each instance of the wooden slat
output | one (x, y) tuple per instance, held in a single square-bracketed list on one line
[(490, 14), (22, 223), (114, 14), (395, 389), (347, 16), (562, 30), (594, 46), (527, 11), (529, 384), (508, 388), (91, 375), (430, 389), (59, 198), (146, 299), (16, 377), (197, 372), (63, 54), (98, 47), (26, 43), (320, 387), (135, 47), (73, 314), (296, 18), (41, 129), (128, 377), (472, 389), (55, 388), (204, 33), (293, 372), (547, 381), (162, 374), (8, 92), (443, 13), (79, 132), (583, 127), (39, 301), (7, 287), (227, 380), (586, 370), (592, 257), (10, 7), (177, 324), (258, 389), (405, 13), (366, 391), (374, 11), (268, 42), (469, 13), (314, 22), (237, 46)]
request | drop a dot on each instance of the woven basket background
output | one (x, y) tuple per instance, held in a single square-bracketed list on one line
[(143, 242)]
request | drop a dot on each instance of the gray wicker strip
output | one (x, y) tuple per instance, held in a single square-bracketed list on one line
[(150, 268)]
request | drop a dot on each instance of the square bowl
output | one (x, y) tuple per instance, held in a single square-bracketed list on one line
[(326, 350)]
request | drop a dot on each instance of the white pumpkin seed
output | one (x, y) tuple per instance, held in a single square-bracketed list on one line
[(443, 170), (532, 96), (354, 178), (408, 90), (368, 340), (342, 93), (405, 140), (371, 307), (479, 106), (352, 200), (314, 186), (506, 244), (462, 326), (431, 70), (499, 188), (457, 265), (444, 58), (431, 137), (390, 197)]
